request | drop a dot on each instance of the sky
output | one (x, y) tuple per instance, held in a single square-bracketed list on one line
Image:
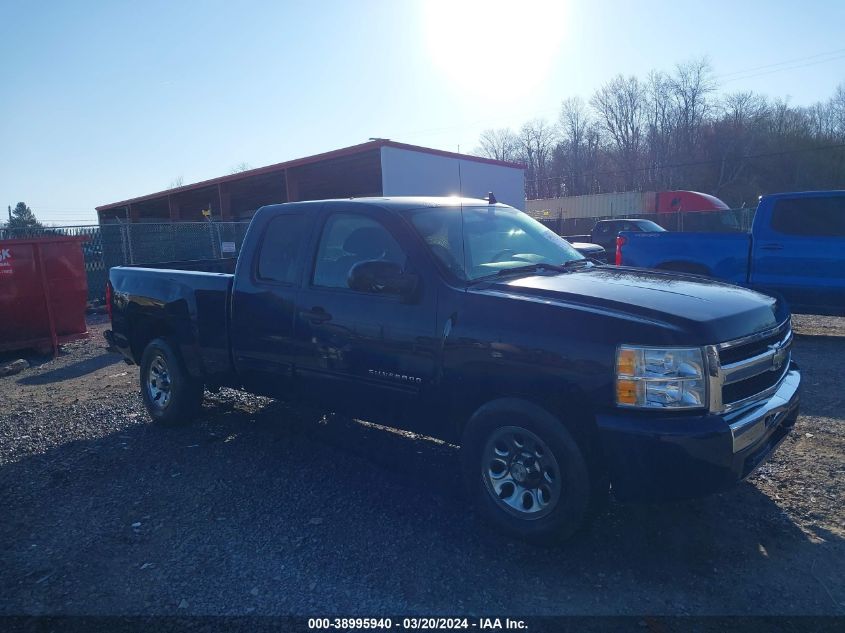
[(103, 101)]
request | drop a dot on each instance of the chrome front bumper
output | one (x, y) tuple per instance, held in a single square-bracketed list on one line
[(758, 422), (654, 457)]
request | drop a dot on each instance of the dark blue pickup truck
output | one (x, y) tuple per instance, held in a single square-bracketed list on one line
[(796, 250), (469, 321)]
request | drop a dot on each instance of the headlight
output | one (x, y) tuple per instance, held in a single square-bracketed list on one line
[(648, 377)]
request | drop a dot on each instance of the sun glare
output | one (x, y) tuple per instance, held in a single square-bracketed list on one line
[(494, 45)]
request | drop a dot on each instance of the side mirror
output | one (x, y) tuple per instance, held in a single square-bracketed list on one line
[(381, 277)]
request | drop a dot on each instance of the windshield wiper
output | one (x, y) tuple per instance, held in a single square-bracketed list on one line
[(572, 264), (530, 268), (576, 263)]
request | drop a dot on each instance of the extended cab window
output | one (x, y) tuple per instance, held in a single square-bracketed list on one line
[(280, 248), (348, 239), (810, 216)]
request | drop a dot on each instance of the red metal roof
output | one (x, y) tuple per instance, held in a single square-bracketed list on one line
[(316, 158)]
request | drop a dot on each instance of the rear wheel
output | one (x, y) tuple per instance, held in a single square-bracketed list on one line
[(527, 474), (170, 394)]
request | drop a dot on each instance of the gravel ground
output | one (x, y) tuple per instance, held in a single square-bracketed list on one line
[(262, 508)]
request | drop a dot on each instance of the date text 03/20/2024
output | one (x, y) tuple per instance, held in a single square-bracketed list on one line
[(491, 624)]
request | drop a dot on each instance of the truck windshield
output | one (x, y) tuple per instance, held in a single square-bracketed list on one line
[(647, 226), (477, 242)]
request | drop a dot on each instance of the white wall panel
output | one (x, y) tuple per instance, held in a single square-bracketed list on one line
[(410, 173)]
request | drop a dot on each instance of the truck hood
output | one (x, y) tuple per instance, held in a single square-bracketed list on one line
[(709, 311)]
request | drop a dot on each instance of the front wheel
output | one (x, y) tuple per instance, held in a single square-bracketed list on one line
[(527, 475), (170, 394)]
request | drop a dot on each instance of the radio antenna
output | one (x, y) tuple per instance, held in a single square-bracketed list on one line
[(461, 205), (460, 181)]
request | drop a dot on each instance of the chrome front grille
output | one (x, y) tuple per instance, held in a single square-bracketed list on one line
[(749, 369)]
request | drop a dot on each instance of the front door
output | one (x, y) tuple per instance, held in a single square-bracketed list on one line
[(368, 354), (799, 256)]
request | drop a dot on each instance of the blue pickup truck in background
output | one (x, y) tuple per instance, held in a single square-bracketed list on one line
[(795, 250)]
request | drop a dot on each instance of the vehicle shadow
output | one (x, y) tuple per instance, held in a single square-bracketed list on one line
[(274, 510), (821, 372), (71, 371)]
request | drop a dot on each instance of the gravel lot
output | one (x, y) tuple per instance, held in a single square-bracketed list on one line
[(261, 508)]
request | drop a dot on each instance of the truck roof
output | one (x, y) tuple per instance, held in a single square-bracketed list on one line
[(400, 203), (803, 194)]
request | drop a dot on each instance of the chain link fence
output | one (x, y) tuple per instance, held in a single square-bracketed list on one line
[(151, 243), (144, 243), (728, 221)]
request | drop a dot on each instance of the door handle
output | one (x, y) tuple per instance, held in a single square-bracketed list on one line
[(317, 315), (772, 247)]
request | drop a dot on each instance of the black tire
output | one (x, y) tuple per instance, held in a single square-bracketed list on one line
[(565, 512), (172, 396)]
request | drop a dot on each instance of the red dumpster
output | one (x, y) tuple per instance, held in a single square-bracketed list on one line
[(43, 292)]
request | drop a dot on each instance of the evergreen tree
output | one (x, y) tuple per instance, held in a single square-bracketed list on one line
[(22, 217)]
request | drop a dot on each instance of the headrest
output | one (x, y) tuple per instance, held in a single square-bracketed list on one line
[(370, 242)]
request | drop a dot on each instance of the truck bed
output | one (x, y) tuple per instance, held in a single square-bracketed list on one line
[(222, 265), (190, 306), (721, 255)]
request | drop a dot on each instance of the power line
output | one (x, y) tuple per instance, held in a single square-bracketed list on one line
[(60, 211), (777, 70), (40, 208), (838, 51)]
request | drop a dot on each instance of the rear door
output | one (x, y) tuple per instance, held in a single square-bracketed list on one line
[(799, 252), (264, 301), (368, 354)]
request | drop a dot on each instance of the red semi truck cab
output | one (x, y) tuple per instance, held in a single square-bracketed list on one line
[(686, 201)]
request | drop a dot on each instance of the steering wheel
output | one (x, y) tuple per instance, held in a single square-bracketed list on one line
[(498, 257)]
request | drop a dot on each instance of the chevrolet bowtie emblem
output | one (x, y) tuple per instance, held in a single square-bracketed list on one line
[(779, 356)]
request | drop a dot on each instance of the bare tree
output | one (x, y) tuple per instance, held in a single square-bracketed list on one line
[(660, 125), (240, 167), (501, 144), (786, 122), (176, 182), (575, 152), (619, 105), (837, 111), (822, 119), (536, 141), (691, 87), (737, 134), (574, 121), (672, 131)]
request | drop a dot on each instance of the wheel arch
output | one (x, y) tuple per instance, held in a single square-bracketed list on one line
[(584, 481), (581, 425), (145, 332), (177, 335)]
